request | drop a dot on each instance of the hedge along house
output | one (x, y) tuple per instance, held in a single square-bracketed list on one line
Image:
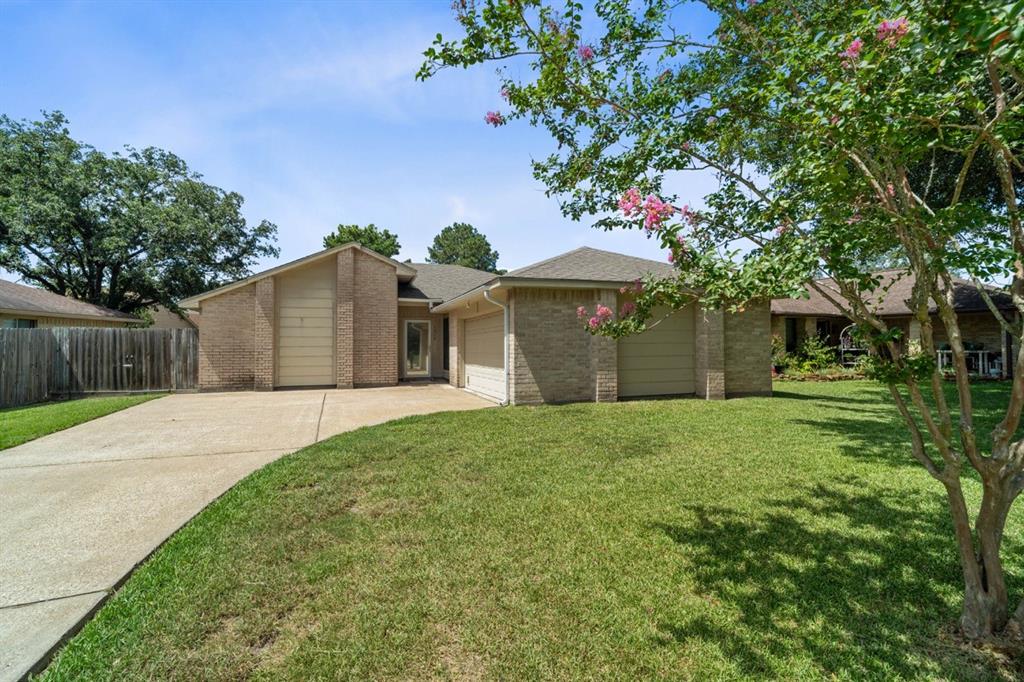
[(349, 317), (989, 348)]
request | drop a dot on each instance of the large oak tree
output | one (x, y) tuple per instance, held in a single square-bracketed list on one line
[(124, 230)]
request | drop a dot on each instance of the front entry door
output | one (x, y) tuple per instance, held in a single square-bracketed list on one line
[(417, 348)]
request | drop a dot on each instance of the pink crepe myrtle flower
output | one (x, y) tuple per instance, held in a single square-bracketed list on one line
[(604, 313), (892, 31), (629, 204), (671, 257), (594, 323), (638, 286), (688, 215), (890, 190), (628, 308), (505, 94), (655, 212), (581, 312), (494, 118), (586, 52), (852, 52)]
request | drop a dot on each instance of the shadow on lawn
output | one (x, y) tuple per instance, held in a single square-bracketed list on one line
[(855, 579)]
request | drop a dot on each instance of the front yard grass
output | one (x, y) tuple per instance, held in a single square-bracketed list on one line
[(21, 424), (790, 537)]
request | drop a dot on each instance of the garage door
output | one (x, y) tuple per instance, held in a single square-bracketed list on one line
[(659, 361), (485, 356), (305, 325)]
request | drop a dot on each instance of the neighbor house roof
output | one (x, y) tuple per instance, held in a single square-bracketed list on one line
[(890, 297), (404, 271), (18, 299), (437, 282)]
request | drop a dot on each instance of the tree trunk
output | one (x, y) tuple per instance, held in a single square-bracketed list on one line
[(985, 611)]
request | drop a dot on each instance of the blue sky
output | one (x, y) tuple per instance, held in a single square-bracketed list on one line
[(310, 111)]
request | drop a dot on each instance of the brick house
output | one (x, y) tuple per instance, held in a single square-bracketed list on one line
[(25, 307), (349, 317), (989, 347)]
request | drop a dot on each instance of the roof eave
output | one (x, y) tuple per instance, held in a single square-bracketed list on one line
[(28, 312)]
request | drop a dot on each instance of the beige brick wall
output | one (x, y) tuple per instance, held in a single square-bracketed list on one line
[(227, 341), (748, 354), (375, 324), (344, 319), (709, 355), (553, 358), (264, 355)]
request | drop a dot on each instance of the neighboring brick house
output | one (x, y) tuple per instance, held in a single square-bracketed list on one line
[(28, 307), (349, 317), (989, 347)]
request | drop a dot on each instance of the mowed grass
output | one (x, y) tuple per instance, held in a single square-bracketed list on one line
[(789, 537), (21, 424)]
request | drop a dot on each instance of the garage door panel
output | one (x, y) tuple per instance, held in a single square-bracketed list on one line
[(305, 326), (485, 355), (661, 360)]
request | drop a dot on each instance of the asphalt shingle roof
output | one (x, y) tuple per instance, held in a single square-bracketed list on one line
[(435, 281), (39, 302), (594, 265), (890, 298)]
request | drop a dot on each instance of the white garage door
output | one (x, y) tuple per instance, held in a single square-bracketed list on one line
[(305, 325), (659, 361), (485, 356)]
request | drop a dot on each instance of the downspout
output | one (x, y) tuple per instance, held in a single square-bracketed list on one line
[(504, 307)]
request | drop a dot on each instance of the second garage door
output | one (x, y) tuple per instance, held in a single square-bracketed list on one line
[(485, 356), (305, 325), (659, 361)]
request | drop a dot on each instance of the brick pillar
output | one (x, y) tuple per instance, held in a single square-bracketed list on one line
[(604, 359), (344, 318), (263, 378), (454, 350), (710, 354)]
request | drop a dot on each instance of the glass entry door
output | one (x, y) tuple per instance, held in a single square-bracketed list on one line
[(417, 348)]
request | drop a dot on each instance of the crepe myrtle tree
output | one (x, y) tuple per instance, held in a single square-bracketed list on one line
[(840, 133)]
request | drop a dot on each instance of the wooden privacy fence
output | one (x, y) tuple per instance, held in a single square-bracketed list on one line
[(37, 364)]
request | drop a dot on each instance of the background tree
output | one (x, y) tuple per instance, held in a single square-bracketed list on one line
[(462, 244), (840, 133), (125, 231), (382, 241)]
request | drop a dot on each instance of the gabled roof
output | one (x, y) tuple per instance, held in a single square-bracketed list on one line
[(890, 297), (593, 265), (404, 271), (17, 299), (583, 267), (435, 282)]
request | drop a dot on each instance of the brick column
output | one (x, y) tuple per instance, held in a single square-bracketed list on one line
[(344, 318), (604, 358), (914, 336), (263, 375), (454, 349), (710, 354)]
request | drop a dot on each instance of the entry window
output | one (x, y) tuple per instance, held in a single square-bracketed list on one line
[(445, 344), (17, 324), (417, 348)]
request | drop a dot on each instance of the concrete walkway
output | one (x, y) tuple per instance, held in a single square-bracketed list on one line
[(79, 509)]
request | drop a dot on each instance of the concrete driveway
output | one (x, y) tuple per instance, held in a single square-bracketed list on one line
[(79, 509)]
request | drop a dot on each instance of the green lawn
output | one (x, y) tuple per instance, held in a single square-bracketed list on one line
[(789, 537), (22, 424)]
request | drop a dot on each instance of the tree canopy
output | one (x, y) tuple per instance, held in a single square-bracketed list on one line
[(840, 134), (372, 237), (124, 230), (462, 244)]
